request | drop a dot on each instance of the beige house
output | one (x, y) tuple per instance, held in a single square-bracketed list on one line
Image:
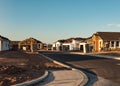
[(99, 41), (106, 41)]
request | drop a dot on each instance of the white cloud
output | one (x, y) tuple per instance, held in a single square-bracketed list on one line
[(118, 25), (110, 25), (113, 25)]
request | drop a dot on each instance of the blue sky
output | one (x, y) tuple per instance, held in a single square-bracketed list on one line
[(50, 20)]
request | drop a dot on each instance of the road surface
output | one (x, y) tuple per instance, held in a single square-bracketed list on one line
[(108, 69)]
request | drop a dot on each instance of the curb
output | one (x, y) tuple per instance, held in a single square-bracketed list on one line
[(83, 77), (56, 62), (32, 82), (98, 55), (105, 56)]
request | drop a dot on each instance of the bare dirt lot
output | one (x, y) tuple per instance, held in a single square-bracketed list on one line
[(17, 67)]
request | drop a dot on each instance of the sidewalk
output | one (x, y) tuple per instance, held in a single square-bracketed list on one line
[(97, 55), (64, 78), (105, 56)]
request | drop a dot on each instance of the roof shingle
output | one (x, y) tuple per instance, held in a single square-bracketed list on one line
[(107, 36)]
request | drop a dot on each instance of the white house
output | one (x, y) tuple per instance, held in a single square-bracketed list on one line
[(58, 45), (72, 44), (4, 43)]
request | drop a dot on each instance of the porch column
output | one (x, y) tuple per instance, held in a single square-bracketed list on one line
[(84, 48), (119, 44), (114, 44), (110, 44), (31, 46), (0, 45)]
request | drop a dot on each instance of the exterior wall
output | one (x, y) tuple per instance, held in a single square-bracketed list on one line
[(0, 45), (53, 46), (76, 45), (85, 47), (119, 44), (30, 44), (114, 45), (71, 46), (4, 45), (57, 46), (97, 43), (100, 45)]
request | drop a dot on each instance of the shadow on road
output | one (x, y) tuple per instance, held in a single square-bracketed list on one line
[(94, 67), (92, 77), (72, 57)]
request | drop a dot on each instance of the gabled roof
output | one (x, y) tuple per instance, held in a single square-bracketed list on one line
[(15, 42), (66, 40), (4, 38), (70, 40), (31, 39), (61, 41), (108, 35)]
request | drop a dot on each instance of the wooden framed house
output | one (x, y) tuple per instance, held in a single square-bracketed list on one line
[(30, 44)]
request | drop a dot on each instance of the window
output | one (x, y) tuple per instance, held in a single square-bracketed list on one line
[(117, 43), (107, 44), (112, 44)]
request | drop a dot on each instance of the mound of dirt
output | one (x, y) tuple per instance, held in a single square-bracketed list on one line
[(17, 67)]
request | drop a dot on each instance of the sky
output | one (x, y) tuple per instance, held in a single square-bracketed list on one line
[(51, 20)]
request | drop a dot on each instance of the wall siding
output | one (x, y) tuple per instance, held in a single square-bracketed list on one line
[(5, 45), (0, 46)]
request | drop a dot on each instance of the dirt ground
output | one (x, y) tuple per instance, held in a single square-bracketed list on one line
[(17, 67)]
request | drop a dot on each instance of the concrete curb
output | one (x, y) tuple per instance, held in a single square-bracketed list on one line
[(32, 82), (83, 76), (104, 56), (56, 62), (98, 55)]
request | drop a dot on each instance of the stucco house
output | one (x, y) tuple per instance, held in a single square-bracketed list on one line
[(71, 44), (57, 46), (30, 44), (106, 41), (4, 43)]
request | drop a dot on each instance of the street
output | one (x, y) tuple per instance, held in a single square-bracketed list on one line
[(102, 67)]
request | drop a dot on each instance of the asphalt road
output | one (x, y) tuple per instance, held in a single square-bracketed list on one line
[(108, 69)]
